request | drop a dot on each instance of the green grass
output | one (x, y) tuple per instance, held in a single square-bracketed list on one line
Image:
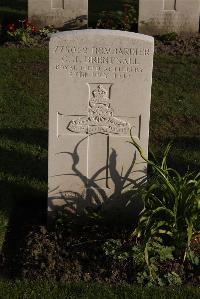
[(23, 129), (47, 290), (24, 123), (175, 110)]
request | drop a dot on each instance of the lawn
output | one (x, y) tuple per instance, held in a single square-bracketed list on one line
[(52, 290), (24, 114)]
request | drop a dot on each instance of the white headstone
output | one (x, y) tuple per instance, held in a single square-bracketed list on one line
[(165, 16), (59, 13), (100, 88)]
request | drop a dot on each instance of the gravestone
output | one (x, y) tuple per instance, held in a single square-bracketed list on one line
[(157, 17), (59, 13), (100, 88)]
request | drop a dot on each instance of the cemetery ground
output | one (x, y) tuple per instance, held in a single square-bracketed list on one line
[(59, 290), (32, 258), (28, 250)]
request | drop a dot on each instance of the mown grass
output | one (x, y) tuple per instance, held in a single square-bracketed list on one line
[(23, 129), (175, 110), (47, 290), (24, 125)]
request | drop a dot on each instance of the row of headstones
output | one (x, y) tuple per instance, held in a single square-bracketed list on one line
[(155, 16)]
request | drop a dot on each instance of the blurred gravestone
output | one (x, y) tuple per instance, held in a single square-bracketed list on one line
[(158, 17), (70, 14), (100, 88)]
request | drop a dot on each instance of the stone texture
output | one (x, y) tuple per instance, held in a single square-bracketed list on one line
[(165, 16), (59, 13), (100, 87)]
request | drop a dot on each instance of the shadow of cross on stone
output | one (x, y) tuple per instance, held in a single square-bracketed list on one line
[(105, 134)]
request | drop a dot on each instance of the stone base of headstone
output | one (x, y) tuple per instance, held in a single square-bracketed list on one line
[(158, 17)]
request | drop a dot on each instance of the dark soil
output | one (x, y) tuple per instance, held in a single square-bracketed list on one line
[(172, 44), (74, 252)]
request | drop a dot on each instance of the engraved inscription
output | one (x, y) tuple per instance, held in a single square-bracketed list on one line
[(100, 117), (57, 4), (101, 62)]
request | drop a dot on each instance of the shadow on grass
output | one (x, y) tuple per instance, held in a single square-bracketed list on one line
[(28, 211), (21, 161), (37, 137), (12, 11), (15, 4), (183, 148), (24, 205)]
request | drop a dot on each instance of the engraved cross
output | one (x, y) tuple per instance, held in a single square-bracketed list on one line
[(57, 4), (101, 126), (169, 4)]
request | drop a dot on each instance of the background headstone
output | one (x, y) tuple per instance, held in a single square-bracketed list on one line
[(165, 16), (59, 13), (100, 87)]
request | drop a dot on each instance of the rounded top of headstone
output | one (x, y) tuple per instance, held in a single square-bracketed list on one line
[(103, 33)]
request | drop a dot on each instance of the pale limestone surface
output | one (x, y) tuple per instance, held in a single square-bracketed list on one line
[(59, 13), (100, 87), (165, 16)]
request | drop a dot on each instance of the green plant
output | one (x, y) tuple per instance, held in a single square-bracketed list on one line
[(193, 258), (47, 31), (24, 34), (173, 278), (122, 20), (171, 208), (114, 249), (160, 257), (27, 34)]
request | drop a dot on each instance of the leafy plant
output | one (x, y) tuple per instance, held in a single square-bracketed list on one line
[(114, 249), (160, 256), (23, 34), (193, 258), (171, 207), (47, 31), (27, 34), (122, 20), (173, 278)]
